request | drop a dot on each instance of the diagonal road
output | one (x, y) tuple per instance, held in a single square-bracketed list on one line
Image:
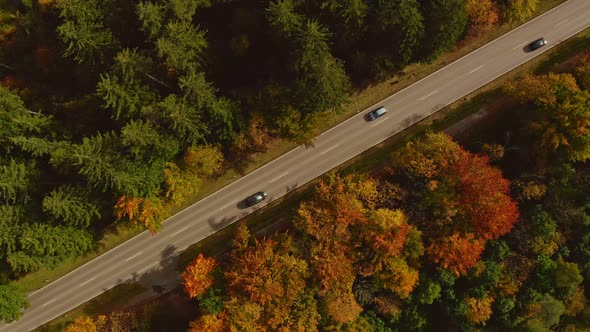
[(144, 255)]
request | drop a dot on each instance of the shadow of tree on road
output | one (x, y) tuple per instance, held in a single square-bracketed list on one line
[(221, 223)]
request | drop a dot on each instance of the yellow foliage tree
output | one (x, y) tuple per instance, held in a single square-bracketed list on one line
[(180, 184), (342, 308), (209, 323), (520, 10), (147, 211), (479, 310), (82, 324), (243, 316), (563, 113), (398, 277), (203, 161), (575, 303), (582, 70)]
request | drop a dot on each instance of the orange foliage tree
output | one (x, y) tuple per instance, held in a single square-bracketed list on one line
[(482, 15), (387, 233), (349, 238), (333, 219), (457, 252), (265, 283), (198, 275), (147, 211), (255, 137), (333, 270)]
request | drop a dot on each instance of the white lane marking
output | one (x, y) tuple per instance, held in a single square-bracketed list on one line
[(428, 95), (380, 122), (278, 177), (46, 303), (476, 69), (87, 281), (519, 45), (226, 205), (560, 23), (328, 150), (178, 232), (132, 257)]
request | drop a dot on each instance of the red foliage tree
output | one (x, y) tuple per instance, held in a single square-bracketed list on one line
[(485, 196), (463, 195)]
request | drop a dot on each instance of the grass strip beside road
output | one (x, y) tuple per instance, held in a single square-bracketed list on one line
[(100, 305), (358, 101)]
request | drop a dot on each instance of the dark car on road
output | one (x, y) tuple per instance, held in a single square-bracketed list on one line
[(538, 43), (256, 198), (374, 114)]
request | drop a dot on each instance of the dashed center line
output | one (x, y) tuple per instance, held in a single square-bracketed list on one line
[(476, 69), (519, 45), (328, 150), (428, 95), (178, 232), (46, 303), (132, 257), (278, 177), (87, 281), (380, 122), (560, 23)]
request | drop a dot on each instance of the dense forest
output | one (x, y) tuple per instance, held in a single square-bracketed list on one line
[(442, 238), (116, 110)]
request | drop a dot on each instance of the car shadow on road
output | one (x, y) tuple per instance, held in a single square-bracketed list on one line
[(242, 205)]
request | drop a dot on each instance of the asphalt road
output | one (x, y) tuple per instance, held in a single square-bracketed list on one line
[(145, 254)]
